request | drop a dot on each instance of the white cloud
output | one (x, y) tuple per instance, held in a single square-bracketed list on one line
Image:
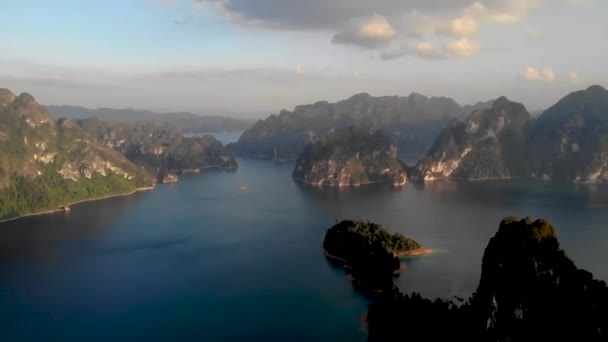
[(462, 48), (459, 48), (377, 27), (574, 78), (535, 75), (531, 74), (548, 75), (373, 32)]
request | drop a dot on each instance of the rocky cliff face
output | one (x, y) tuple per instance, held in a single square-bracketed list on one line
[(569, 141), (350, 157), (529, 290), (45, 163), (412, 121), (162, 148), (488, 144)]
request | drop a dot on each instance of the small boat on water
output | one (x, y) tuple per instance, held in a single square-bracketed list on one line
[(243, 188)]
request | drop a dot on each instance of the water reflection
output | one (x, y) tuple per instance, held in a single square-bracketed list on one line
[(40, 239)]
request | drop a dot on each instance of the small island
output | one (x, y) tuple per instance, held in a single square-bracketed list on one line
[(370, 252), (350, 157)]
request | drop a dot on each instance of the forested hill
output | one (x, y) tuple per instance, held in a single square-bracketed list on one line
[(46, 163), (160, 148)]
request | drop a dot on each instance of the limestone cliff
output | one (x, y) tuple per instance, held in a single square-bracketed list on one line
[(161, 148), (46, 163), (488, 144), (569, 141), (412, 121), (350, 157)]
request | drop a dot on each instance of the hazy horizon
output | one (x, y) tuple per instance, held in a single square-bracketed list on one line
[(254, 58)]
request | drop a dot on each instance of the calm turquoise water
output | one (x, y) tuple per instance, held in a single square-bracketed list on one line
[(201, 260)]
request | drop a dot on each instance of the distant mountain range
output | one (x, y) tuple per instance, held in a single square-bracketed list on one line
[(187, 122), (412, 121)]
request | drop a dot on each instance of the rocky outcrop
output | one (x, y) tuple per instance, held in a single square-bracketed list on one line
[(488, 144), (412, 121), (46, 163), (350, 157), (161, 149), (529, 290), (370, 252), (569, 141)]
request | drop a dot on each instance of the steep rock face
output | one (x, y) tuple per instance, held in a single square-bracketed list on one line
[(162, 149), (350, 157), (412, 121), (488, 144), (46, 163), (569, 141), (529, 291)]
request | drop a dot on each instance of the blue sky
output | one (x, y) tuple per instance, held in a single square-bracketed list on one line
[(254, 57)]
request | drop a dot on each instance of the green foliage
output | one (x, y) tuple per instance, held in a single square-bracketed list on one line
[(160, 148), (346, 238), (34, 149), (51, 190), (370, 251)]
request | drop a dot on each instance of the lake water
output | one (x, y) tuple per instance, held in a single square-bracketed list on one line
[(201, 260)]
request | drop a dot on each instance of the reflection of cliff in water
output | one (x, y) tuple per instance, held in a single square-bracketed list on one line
[(40, 238)]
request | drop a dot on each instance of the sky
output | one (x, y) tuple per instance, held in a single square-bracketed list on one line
[(256, 57)]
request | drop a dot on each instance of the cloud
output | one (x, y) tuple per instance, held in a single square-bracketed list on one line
[(531, 74), (371, 33), (574, 78), (548, 75), (459, 48), (536, 75), (58, 82), (461, 27), (381, 24), (462, 48)]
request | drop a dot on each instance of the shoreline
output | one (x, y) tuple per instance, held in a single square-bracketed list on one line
[(53, 211), (345, 186), (333, 257), (415, 253), (197, 170)]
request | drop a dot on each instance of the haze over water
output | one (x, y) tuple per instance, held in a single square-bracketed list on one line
[(202, 260)]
